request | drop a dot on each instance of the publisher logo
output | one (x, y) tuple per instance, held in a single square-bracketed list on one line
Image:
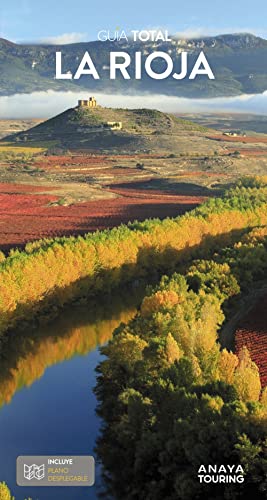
[(220, 474)]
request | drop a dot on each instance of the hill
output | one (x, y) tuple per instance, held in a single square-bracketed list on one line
[(238, 62), (132, 130)]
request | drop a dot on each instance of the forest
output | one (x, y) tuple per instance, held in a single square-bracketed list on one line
[(172, 399)]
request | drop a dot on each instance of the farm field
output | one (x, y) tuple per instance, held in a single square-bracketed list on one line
[(253, 145), (251, 139), (48, 190), (254, 139), (13, 126), (28, 214), (248, 122), (252, 333)]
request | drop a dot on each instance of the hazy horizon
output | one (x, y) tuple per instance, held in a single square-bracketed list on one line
[(51, 103)]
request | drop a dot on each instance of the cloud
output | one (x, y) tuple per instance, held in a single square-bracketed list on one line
[(48, 104), (64, 39), (187, 33), (193, 31), (202, 31)]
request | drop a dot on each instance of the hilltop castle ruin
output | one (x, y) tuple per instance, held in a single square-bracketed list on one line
[(91, 103), (87, 103)]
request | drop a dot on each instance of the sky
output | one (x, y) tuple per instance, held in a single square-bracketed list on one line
[(72, 21)]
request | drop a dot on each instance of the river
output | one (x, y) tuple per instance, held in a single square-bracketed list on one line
[(47, 404)]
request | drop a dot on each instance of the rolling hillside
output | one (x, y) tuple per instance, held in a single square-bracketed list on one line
[(86, 128)]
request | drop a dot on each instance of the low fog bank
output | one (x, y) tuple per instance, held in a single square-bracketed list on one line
[(48, 104)]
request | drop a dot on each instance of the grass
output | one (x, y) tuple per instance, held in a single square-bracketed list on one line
[(13, 148)]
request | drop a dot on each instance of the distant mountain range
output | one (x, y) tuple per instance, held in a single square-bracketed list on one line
[(239, 62)]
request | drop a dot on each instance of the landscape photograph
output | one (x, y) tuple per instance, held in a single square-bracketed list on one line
[(133, 251)]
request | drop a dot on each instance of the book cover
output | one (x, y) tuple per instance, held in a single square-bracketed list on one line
[(133, 263)]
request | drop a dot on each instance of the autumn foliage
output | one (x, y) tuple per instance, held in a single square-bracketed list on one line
[(52, 272)]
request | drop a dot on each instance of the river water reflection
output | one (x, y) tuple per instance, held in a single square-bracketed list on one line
[(47, 404)]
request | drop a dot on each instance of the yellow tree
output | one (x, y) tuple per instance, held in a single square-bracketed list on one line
[(246, 377)]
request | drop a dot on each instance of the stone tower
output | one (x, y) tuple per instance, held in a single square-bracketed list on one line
[(90, 103)]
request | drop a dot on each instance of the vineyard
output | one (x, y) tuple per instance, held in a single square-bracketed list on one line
[(252, 333), (27, 215)]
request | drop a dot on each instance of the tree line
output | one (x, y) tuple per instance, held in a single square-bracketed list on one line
[(52, 272)]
